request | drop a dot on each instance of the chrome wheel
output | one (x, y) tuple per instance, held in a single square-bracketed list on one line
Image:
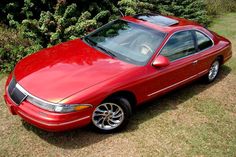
[(108, 116), (214, 70)]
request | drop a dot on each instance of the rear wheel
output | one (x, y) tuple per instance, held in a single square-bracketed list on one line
[(213, 72), (112, 115)]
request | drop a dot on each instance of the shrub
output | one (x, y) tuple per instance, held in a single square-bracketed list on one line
[(13, 47), (67, 21), (49, 22)]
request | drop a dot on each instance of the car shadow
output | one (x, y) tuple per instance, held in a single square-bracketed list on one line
[(71, 139), (82, 137), (173, 99)]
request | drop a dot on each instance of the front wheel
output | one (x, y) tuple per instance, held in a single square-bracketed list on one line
[(111, 115), (213, 72)]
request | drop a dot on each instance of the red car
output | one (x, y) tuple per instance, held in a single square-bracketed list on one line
[(102, 77)]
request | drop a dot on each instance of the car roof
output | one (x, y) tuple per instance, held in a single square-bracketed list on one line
[(161, 22)]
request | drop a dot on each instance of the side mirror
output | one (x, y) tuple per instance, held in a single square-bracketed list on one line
[(161, 61)]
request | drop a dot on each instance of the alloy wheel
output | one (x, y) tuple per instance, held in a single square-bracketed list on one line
[(213, 70), (108, 116)]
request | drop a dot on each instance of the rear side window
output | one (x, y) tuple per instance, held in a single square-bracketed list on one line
[(203, 42), (179, 45)]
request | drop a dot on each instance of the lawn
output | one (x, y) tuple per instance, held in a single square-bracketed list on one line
[(197, 120)]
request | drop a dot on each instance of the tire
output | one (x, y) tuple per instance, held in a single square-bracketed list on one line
[(213, 71), (112, 115)]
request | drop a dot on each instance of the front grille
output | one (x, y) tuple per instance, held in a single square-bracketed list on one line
[(12, 85), (15, 94)]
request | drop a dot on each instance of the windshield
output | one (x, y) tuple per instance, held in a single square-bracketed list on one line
[(127, 41)]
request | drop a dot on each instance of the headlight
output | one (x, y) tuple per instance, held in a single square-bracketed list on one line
[(62, 108), (71, 108)]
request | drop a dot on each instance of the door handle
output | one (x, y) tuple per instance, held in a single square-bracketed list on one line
[(195, 62)]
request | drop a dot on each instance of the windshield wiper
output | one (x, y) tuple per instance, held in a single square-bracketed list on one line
[(90, 41), (106, 51), (93, 43)]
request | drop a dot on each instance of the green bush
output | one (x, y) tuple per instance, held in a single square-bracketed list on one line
[(49, 22), (13, 47)]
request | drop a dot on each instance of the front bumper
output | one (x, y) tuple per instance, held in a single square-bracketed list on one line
[(47, 120)]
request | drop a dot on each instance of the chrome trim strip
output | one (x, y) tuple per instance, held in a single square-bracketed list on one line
[(185, 80), (203, 72), (172, 85), (48, 124), (43, 101), (21, 89), (28, 94)]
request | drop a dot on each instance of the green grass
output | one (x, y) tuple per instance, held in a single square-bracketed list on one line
[(197, 120), (226, 26), (217, 7), (215, 136)]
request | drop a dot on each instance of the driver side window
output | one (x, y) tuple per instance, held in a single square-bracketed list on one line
[(180, 45)]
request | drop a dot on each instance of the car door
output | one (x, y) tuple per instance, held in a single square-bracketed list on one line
[(204, 52), (180, 50)]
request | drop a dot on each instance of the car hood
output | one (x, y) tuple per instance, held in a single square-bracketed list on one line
[(58, 72)]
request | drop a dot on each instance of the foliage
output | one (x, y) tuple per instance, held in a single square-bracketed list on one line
[(13, 48), (49, 22), (214, 7), (189, 9)]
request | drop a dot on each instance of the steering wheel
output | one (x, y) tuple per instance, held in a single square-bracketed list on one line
[(139, 39), (145, 49)]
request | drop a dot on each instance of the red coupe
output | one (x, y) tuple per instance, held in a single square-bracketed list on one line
[(100, 78)]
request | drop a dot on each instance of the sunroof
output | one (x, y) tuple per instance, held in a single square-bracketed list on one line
[(157, 19)]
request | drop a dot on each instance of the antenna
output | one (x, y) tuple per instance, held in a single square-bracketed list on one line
[(121, 12)]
